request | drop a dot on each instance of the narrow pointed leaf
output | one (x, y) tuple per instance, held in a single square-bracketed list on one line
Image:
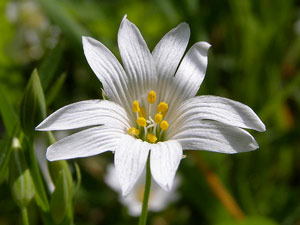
[(55, 88), (8, 114), (50, 65), (60, 199), (33, 107)]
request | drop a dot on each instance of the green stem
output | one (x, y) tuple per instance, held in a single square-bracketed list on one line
[(24, 216), (143, 216), (40, 192)]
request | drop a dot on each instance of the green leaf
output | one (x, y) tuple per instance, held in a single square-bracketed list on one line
[(73, 30), (277, 100), (7, 113), (40, 192), (78, 176), (5, 152), (56, 87), (255, 220), (60, 198), (49, 66), (55, 169), (33, 106)]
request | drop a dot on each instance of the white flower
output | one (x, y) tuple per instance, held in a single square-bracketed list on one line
[(158, 199), (152, 106)]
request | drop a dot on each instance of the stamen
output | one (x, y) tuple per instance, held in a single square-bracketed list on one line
[(162, 107), (154, 127), (142, 112), (136, 106), (151, 97), (164, 125), (141, 121), (152, 138), (133, 131), (158, 118)]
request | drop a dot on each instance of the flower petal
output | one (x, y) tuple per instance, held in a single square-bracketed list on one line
[(89, 142), (168, 53), (86, 113), (215, 137), (164, 161), (191, 71), (137, 59), (109, 71), (130, 160), (216, 108)]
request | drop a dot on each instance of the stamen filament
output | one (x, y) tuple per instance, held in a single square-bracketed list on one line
[(154, 129), (151, 125), (146, 131), (149, 110)]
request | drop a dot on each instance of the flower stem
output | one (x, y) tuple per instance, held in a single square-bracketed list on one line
[(24, 216), (219, 189), (143, 216)]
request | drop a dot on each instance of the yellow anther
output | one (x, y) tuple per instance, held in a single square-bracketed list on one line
[(141, 121), (133, 131), (142, 112), (152, 138), (158, 118), (151, 97), (162, 107), (164, 125), (135, 106)]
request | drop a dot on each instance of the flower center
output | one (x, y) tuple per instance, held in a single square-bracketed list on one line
[(149, 129)]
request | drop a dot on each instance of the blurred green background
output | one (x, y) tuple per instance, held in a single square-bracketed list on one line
[(254, 59)]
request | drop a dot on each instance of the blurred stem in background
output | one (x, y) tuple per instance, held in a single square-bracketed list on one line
[(218, 188)]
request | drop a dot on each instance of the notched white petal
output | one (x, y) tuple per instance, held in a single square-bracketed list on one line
[(85, 143), (164, 161), (167, 55), (86, 113), (192, 69), (137, 59), (169, 51), (108, 70), (215, 137), (130, 160)]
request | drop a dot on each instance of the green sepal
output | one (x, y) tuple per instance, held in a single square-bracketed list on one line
[(104, 96), (20, 179), (33, 107)]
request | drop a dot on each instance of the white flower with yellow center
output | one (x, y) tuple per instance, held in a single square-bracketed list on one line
[(152, 107), (159, 199)]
